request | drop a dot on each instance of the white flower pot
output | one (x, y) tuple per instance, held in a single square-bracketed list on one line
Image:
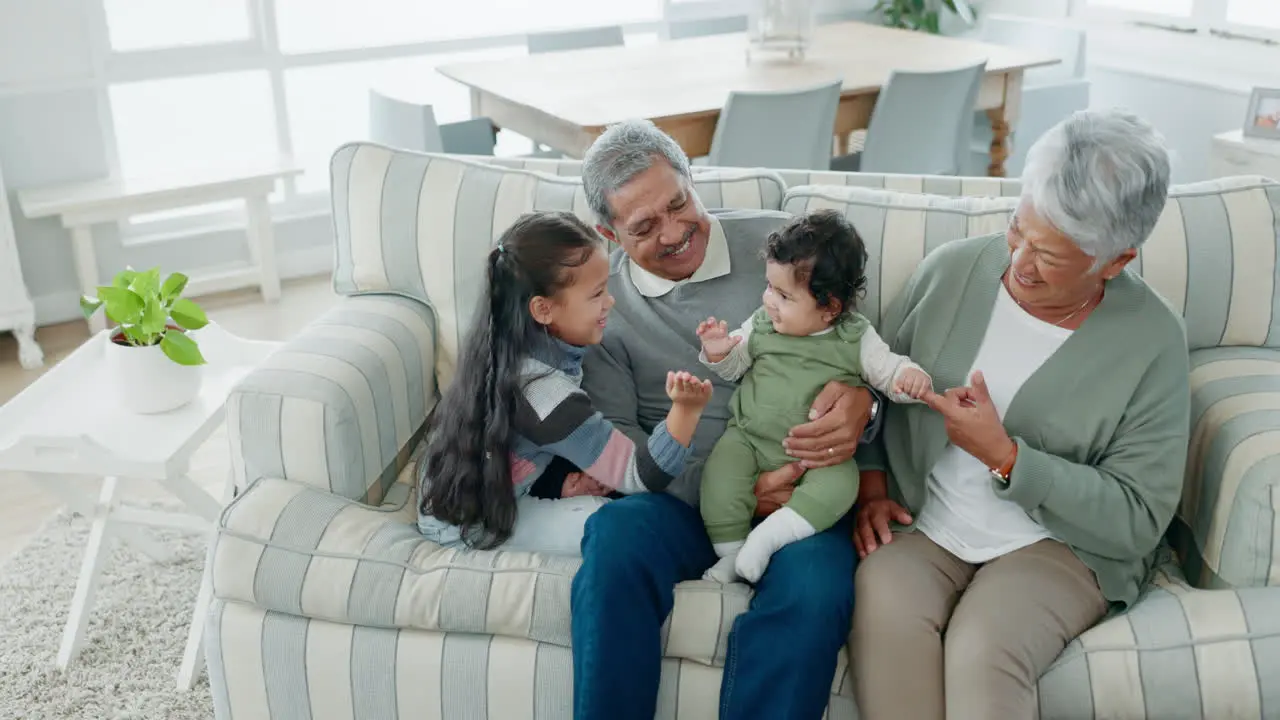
[(145, 380)]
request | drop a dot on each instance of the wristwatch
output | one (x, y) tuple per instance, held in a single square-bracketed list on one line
[(1002, 471)]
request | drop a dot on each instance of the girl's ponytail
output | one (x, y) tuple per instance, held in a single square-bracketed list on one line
[(467, 467)]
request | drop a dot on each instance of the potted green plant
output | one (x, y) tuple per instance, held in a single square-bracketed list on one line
[(152, 360), (923, 15)]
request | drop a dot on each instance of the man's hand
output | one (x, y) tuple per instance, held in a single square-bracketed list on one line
[(836, 420), (874, 513), (972, 422), (774, 488)]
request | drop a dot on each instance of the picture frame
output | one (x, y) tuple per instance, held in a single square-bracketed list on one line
[(1263, 118)]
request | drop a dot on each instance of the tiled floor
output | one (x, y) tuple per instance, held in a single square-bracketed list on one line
[(24, 507)]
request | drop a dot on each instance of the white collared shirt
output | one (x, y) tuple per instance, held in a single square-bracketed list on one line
[(714, 265)]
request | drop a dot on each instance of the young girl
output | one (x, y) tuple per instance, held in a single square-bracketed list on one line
[(515, 403), (806, 334)]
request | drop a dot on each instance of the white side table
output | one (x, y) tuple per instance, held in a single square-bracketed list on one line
[(1235, 154), (83, 205), (65, 425)]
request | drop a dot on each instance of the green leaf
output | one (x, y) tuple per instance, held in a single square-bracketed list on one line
[(89, 305), (154, 318), (123, 306), (173, 286), (124, 278), (146, 283), (931, 22), (181, 349), (188, 315)]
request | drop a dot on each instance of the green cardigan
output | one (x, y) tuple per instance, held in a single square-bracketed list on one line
[(1102, 427)]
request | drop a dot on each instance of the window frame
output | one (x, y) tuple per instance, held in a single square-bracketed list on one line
[(1208, 18), (262, 51)]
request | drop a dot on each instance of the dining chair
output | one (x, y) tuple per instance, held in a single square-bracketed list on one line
[(606, 36), (405, 124), (1049, 94), (921, 124), (790, 129), (681, 29)]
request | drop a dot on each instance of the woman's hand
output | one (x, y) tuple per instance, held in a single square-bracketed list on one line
[(837, 419), (773, 489), (580, 483), (973, 425)]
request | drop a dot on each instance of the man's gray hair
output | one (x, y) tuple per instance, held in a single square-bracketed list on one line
[(622, 152), (1101, 178)]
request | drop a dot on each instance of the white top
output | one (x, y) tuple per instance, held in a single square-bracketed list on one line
[(961, 512), (880, 366), (714, 264)]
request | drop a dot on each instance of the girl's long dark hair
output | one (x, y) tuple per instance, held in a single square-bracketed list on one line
[(467, 474)]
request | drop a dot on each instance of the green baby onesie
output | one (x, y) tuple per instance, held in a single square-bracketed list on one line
[(785, 376)]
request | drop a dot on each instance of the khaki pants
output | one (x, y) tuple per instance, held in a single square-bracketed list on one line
[(936, 637)]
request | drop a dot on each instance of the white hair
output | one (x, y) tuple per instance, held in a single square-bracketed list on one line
[(1101, 177), (622, 152)]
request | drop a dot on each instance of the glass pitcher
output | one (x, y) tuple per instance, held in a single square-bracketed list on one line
[(781, 28)]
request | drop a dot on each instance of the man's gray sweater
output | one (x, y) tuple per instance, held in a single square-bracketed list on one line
[(626, 375)]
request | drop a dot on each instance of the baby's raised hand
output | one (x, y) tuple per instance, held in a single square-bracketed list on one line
[(716, 340), (913, 383), (688, 391)]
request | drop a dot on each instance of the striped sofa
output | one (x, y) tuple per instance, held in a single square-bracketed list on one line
[(328, 603)]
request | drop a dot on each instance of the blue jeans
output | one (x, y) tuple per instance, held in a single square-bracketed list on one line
[(781, 656)]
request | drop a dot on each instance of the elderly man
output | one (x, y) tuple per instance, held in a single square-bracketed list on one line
[(677, 264)]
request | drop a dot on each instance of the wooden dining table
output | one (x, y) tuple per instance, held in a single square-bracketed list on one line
[(567, 99)]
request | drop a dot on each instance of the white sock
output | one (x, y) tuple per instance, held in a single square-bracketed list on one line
[(723, 571), (780, 529)]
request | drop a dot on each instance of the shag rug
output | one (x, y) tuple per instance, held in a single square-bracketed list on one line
[(128, 664)]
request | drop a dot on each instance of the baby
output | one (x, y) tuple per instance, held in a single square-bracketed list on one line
[(805, 335)]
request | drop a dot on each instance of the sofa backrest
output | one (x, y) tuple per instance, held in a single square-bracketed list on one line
[(420, 225), (1227, 229)]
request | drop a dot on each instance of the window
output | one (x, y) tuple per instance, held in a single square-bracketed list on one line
[(187, 124), (194, 85), (329, 104), (320, 25), (1258, 13), (1257, 18), (151, 24)]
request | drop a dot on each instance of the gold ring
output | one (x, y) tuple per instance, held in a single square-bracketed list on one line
[(831, 451)]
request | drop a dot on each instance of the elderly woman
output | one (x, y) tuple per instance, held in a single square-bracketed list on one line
[(1036, 488)]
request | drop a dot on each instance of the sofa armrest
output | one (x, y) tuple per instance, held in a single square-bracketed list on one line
[(342, 405), (1227, 532)]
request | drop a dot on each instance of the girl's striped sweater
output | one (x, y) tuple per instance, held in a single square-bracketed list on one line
[(555, 418)]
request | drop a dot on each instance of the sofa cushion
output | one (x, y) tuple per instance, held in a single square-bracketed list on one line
[(1229, 227), (292, 548), (1177, 653), (421, 224), (1228, 532), (900, 228)]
